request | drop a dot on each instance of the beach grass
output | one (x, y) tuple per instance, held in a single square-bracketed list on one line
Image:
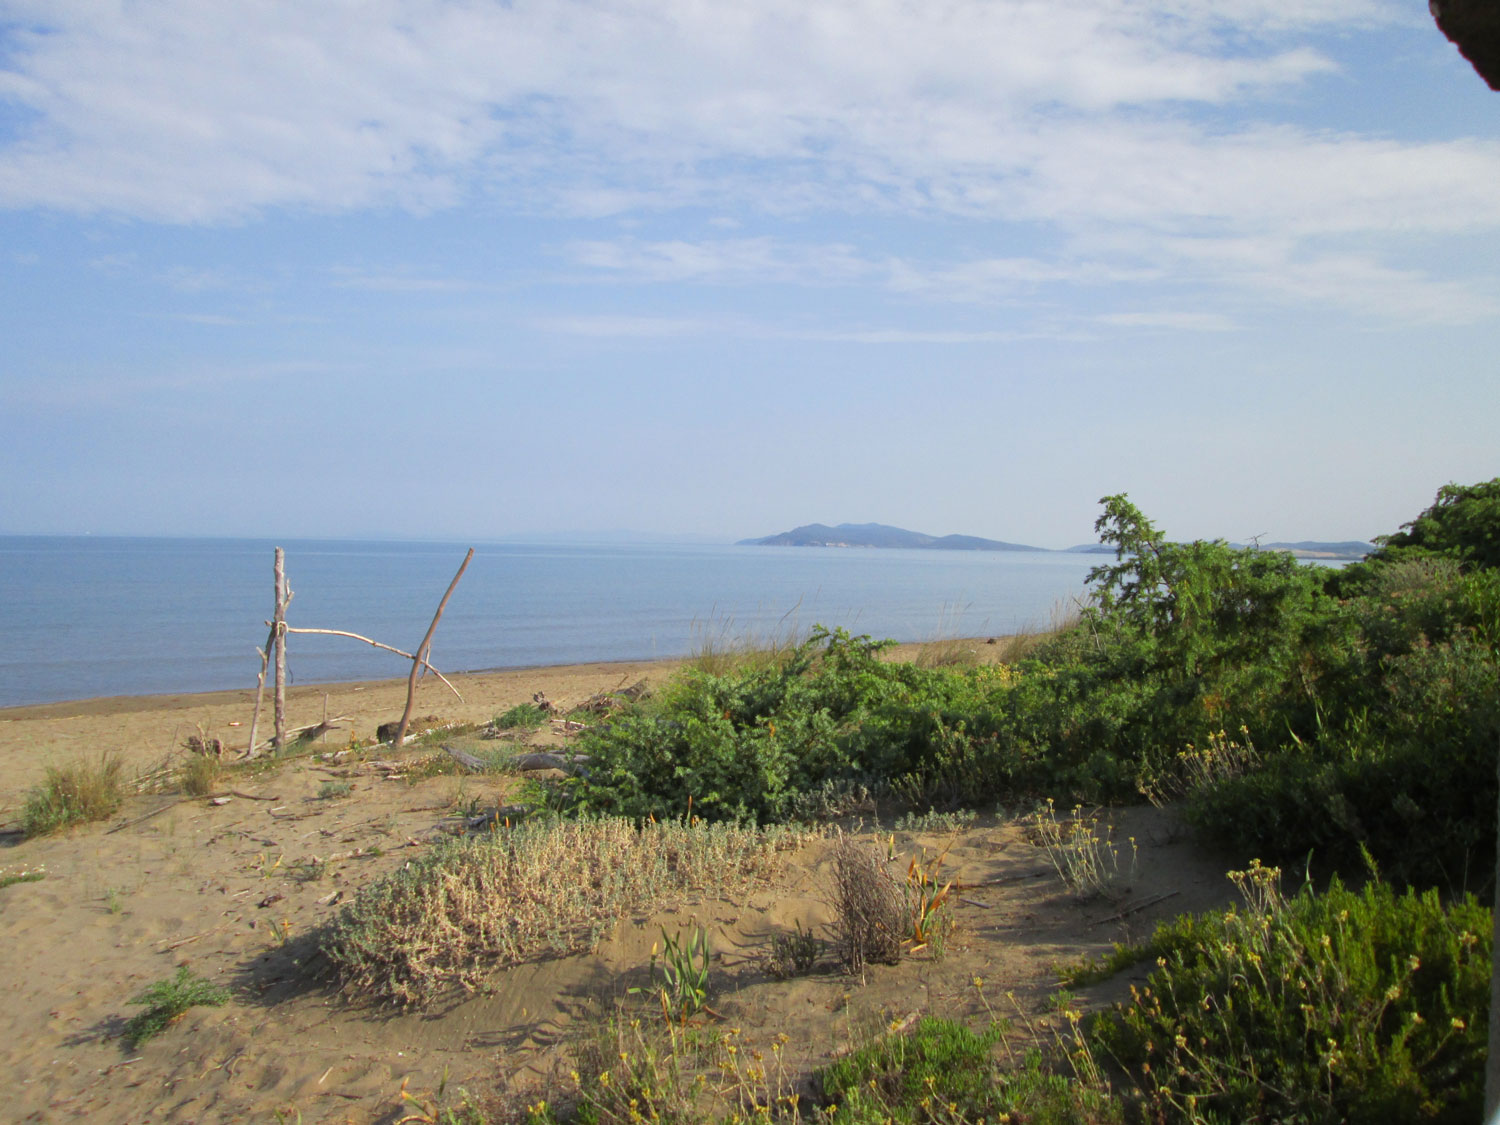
[(74, 794), (547, 888)]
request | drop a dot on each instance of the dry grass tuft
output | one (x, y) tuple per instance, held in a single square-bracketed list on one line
[(200, 775), (722, 649), (75, 794), (541, 889)]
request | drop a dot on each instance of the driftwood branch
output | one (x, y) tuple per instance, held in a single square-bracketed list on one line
[(377, 644), (260, 688), (422, 649), (1137, 908), (539, 760)]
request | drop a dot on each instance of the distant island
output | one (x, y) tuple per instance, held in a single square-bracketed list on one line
[(879, 535), (883, 535)]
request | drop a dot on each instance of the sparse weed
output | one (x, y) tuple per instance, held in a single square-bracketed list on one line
[(952, 653), (74, 794), (308, 870), (1087, 859), (35, 875), (1196, 770), (114, 900), (331, 789), (722, 649), (933, 821), (795, 954), (167, 1000)]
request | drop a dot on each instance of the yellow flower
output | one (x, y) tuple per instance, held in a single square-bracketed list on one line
[(1458, 1024)]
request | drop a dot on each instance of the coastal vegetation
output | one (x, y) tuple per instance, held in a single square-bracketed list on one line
[(1362, 701), (1340, 722), (77, 793)]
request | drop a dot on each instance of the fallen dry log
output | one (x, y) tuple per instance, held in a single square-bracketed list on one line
[(544, 760), (467, 760)]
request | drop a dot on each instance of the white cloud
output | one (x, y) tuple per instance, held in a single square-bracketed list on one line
[(1171, 321), (1082, 121), (182, 111), (721, 260)]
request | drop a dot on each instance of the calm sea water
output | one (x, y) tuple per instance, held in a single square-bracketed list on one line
[(87, 617)]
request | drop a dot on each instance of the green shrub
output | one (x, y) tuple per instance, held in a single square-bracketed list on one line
[(1463, 522), (940, 1071), (74, 794), (765, 741), (167, 1000), (1348, 1006), (1412, 784), (523, 716)]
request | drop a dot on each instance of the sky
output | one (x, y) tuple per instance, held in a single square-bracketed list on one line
[(476, 270)]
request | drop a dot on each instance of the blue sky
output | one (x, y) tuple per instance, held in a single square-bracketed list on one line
[(473, 270)]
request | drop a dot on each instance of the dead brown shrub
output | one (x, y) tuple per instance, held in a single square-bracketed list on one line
[(869, 907)]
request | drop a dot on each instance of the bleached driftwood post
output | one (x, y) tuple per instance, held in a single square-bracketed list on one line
[(420, 658), (278, 631), (260, 692)]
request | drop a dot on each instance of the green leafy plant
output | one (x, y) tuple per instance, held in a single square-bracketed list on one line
[(927, 903), (167, 1000), (679, 974)]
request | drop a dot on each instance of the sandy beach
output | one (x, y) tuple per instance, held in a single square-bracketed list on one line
[(236, 891)]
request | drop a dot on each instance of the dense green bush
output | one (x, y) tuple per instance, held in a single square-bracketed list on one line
[(751, 742), (1462, 523), (1347, 1006), (940, 1071)]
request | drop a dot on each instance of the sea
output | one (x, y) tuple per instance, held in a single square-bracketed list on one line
[(90, 616)]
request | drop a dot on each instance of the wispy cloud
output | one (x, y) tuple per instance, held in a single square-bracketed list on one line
[(185, 112), (94, 390), (631, 327), (1170, 321), (1145, 142), (722, 260), (396, 281)]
